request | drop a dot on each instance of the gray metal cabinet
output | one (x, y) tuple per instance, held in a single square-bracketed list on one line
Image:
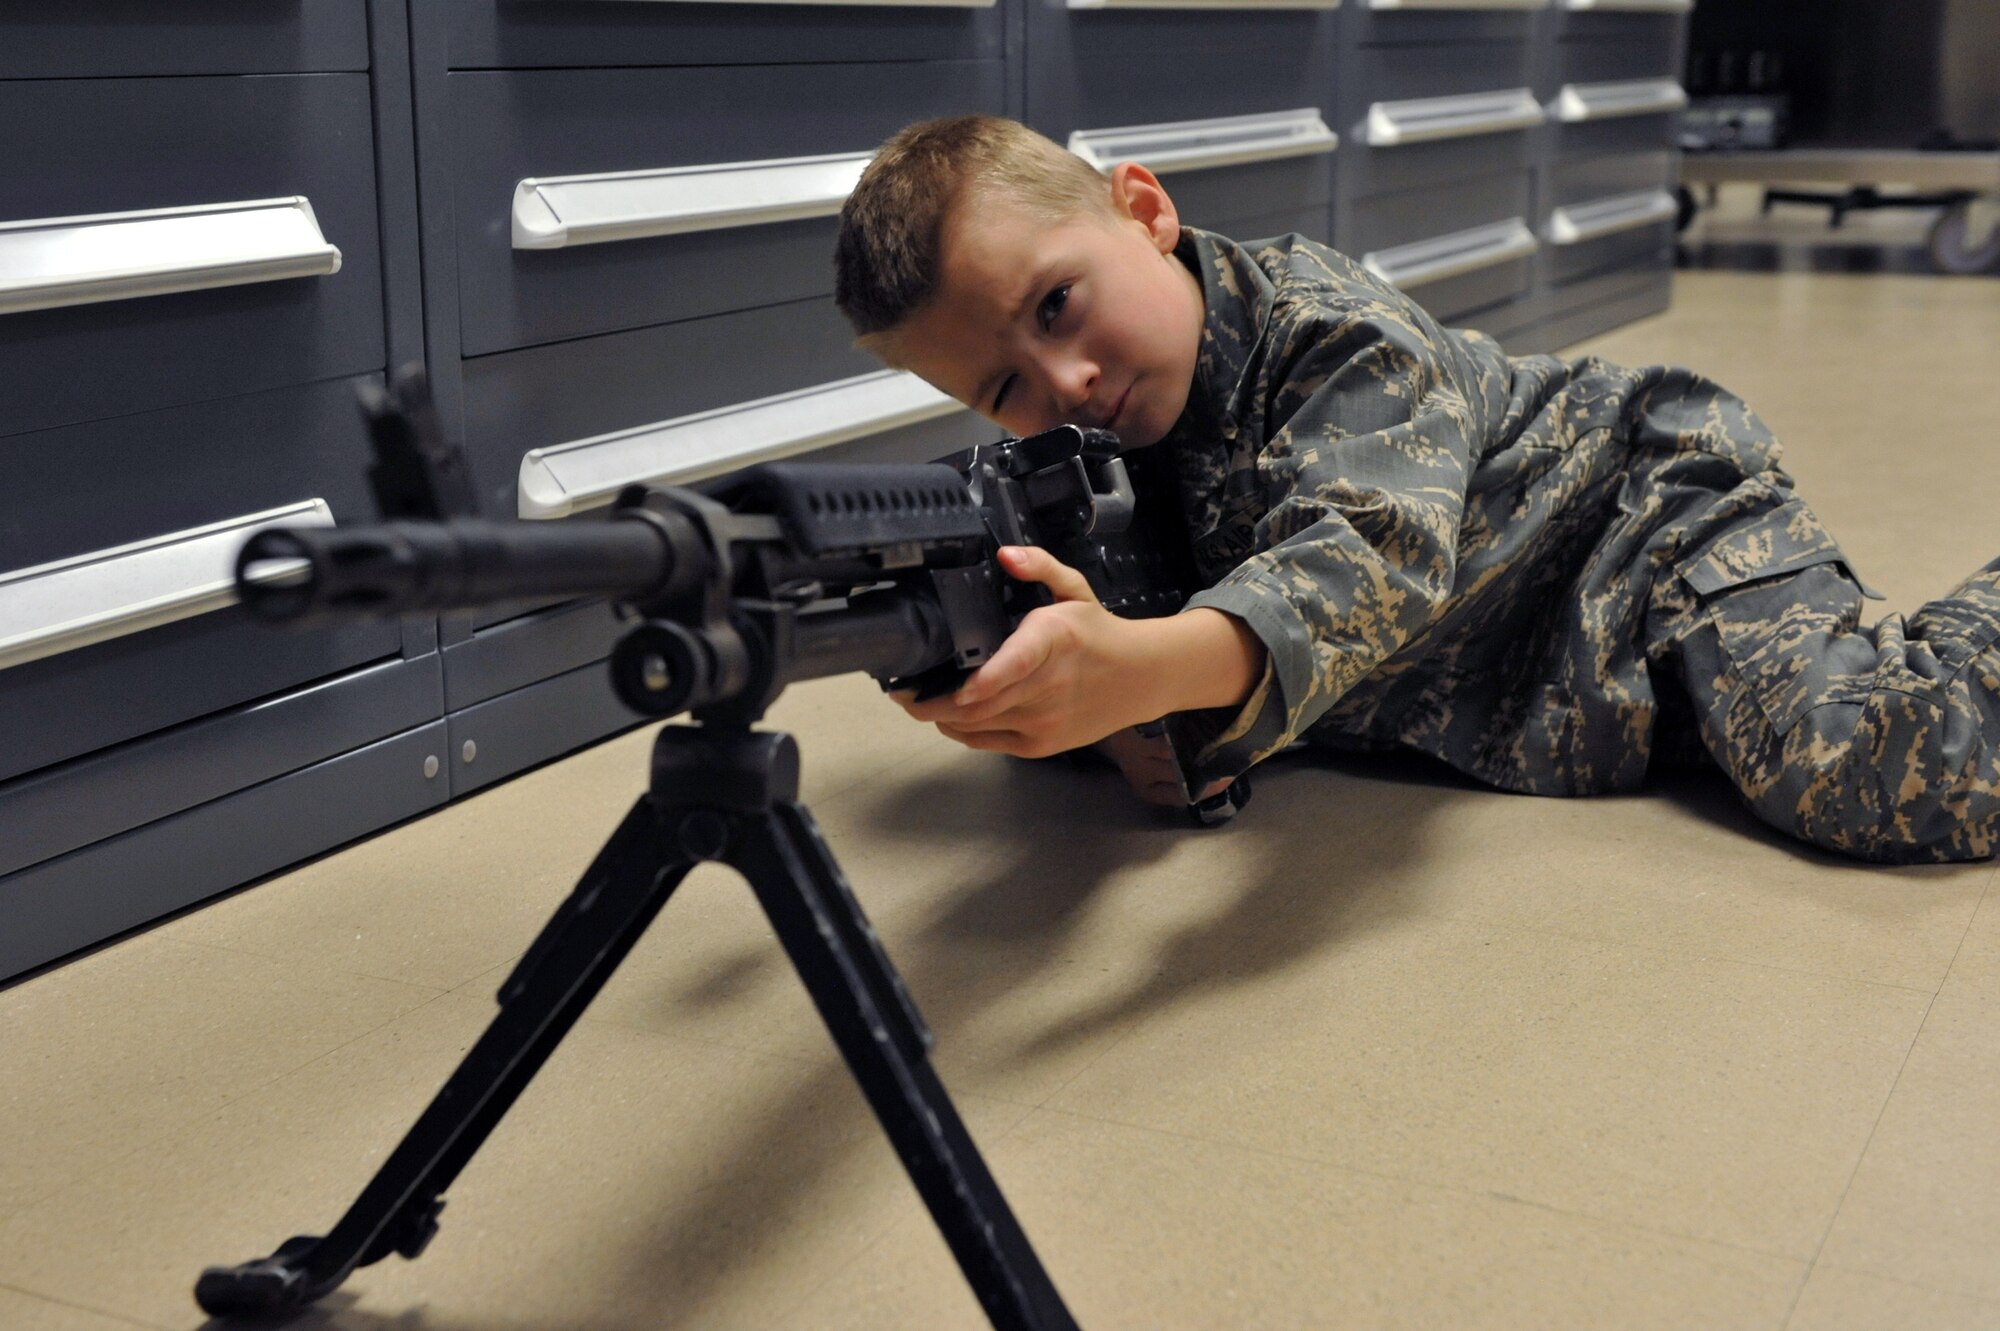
[(1443, 135), (97, 162), (604, 228), (600, 34), (114, 38), (192, 274), (1609, 80), (1231, 105), (628, 219), (644, 155)]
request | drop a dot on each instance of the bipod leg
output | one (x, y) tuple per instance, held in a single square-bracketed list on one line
[(753, 823), (576, 952)]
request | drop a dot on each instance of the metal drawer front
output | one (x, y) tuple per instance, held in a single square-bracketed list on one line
[(1577, 223), (52, 262), (538, 397), (110, 38), (1190, 145), (718, 182), (587, 473), (1612, 61), (125, 161), (1430, 22), (529, 34), (1090, 69), (1461, 252), (1589, 179), (1386, 221), (75, 602), (630, 205), (1394, 124), (1201, 4), (1585, 103)]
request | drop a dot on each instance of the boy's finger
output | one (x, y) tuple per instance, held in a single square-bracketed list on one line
[(1019, 657), (1031, 563)]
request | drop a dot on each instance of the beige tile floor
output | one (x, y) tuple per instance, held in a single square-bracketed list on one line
[(1391, 1051)]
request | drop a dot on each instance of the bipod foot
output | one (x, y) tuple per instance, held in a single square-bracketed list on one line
[(267, 1285)]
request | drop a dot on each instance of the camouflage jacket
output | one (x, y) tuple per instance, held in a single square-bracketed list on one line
[(1441, 547)]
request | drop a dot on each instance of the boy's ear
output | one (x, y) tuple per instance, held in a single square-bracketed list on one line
[(1139, 195)]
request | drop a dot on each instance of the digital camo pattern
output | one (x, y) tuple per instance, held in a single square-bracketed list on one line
[(1548, 573)]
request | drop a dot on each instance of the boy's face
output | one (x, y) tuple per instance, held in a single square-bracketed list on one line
[(1090, 320)]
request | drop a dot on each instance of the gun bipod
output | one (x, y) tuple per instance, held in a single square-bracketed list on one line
[(729, 795)]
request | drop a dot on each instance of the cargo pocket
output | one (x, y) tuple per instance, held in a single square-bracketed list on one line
[(1786, 607)]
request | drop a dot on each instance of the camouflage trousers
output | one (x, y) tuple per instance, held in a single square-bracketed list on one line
[(1881, 743)]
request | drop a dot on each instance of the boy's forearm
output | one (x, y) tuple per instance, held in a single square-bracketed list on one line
[(1201, 658)]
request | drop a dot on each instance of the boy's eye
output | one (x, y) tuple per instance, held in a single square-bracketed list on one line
[(1052, 305)]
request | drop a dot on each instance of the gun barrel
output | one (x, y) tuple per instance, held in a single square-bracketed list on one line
[(305, 573)]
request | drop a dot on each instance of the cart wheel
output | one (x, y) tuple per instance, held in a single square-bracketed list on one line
[(1688, 208), (1962, 241)]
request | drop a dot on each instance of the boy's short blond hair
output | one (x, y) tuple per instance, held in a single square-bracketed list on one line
[(886, 261)]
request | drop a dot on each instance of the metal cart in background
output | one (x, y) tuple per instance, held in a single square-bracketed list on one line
[(1898, 106)]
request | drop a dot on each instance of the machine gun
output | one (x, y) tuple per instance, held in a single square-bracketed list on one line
[(786, 572)]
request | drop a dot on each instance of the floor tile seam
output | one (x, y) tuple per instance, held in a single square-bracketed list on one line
[(1850, 1268), (1861, 1156), (1486, 1194), (82, 1307)]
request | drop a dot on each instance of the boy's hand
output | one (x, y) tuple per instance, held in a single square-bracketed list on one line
[(1074, 673), (1071, 674)]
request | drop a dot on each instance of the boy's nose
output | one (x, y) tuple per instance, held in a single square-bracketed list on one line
[(1073, 381)]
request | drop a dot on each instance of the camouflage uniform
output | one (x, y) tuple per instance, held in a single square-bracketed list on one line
[(1546, 573)]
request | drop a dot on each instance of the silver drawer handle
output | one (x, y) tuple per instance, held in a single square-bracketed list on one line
[(588, 473), (1658, 6), (1579, 102), (1188, 145), (553, 212), (1440, 257), (55, 261), (75, 602), (1203, 4), (1391, 124), (1578, 222), (1458, 4)]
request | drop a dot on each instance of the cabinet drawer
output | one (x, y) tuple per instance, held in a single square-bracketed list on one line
[(1428, 22), (1656, 21), (83, 155), (1447, 69), (109, 483), (1388, 220), (1454, 249), (1226, 168), (526, 276), (1092, 69), (107, 38), (1622, 116), (1425, 114), (1616, 61), (1613, 232), (545, 396), (115, 613), (522, 34), (1590, 178)]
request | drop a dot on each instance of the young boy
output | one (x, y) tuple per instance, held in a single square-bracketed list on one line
[(1542, 573)]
